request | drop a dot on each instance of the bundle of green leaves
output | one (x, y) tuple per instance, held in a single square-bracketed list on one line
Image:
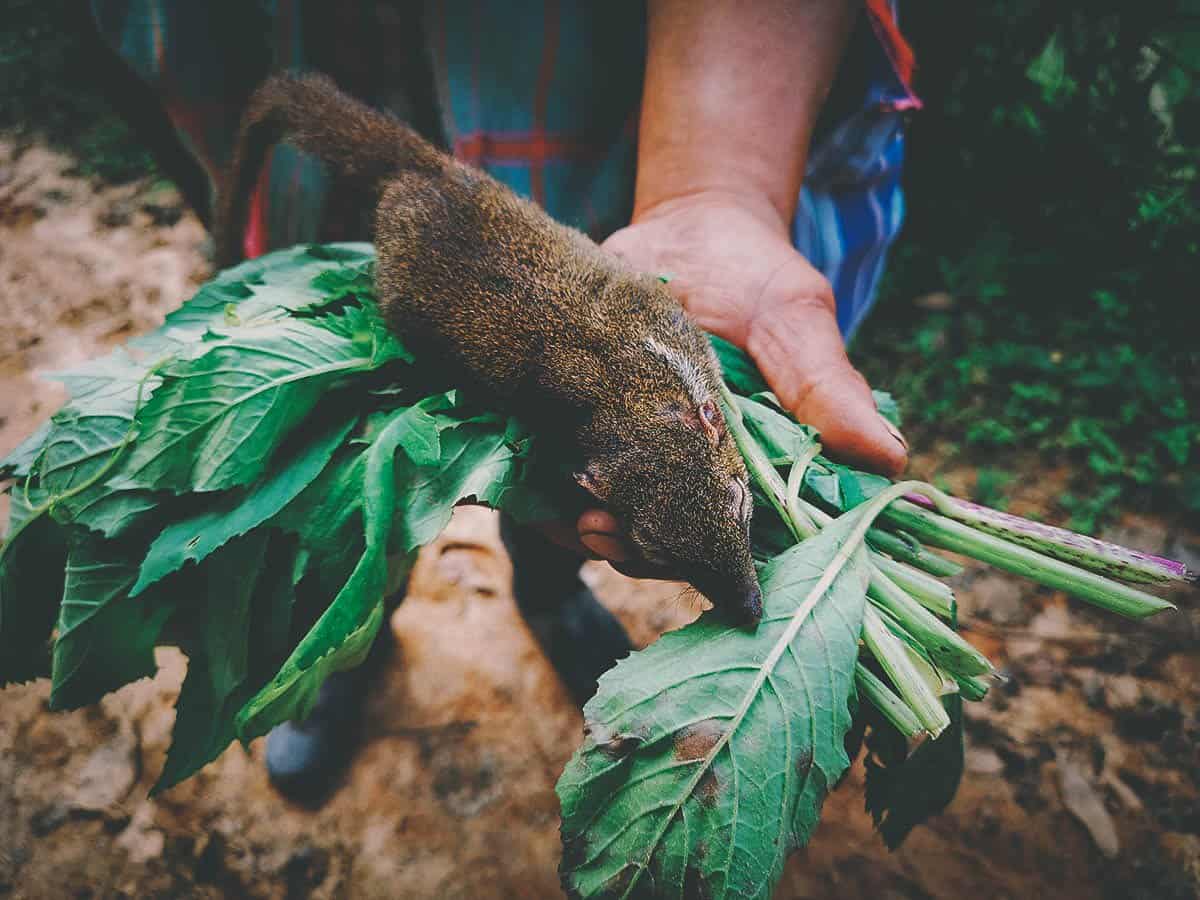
[(249, 481)]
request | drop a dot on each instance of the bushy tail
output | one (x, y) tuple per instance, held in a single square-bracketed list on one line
[(309, 112)]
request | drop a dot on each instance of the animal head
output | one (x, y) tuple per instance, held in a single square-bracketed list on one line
[(663, 461)]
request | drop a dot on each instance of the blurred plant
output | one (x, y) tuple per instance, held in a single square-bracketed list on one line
[(51, 88), (991, 487), (1053, 190)]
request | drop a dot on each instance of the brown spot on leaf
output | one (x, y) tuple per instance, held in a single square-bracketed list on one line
[(696, 741), (804, 761), (707, 788), (614, 746), (620, 746)]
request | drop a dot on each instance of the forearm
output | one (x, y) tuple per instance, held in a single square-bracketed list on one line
[(732, 93)]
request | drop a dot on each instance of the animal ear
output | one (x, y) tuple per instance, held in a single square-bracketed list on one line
[(594, 480), (706, 418)]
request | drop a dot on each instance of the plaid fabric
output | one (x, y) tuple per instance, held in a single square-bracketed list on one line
[(543, 96)]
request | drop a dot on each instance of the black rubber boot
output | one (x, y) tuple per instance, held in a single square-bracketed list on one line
[(305, 760), (581, 638)]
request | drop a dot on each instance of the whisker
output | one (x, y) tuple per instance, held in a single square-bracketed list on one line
[(690, 597)]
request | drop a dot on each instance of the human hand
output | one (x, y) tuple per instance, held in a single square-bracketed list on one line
[(734, 269)]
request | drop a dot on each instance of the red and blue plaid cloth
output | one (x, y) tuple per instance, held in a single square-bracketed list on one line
[(544, 96)]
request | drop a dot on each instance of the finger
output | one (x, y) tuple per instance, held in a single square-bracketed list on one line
[(639, 568), (565, 535), (622, 244), (799, 349), (600, 532)]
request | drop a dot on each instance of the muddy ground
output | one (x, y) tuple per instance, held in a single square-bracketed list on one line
[(1083, 767)]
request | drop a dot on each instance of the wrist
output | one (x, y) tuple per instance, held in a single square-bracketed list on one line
[(709, 198)]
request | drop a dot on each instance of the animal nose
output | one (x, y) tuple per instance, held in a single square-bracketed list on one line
[(751, 603), (743, 603), (736, 600)]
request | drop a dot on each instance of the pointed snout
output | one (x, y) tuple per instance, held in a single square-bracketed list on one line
[(740, 601), (748, 602)]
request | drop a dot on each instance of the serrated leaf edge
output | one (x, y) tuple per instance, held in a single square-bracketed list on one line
[(865, 514)]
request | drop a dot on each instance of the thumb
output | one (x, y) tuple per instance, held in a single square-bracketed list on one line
[(799, 350)]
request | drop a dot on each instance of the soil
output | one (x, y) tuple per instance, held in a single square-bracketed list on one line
[(1083, 767)]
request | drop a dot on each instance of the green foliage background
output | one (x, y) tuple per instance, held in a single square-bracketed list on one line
[(48, 86), (1053, 193)]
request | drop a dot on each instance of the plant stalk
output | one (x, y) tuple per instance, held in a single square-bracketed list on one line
[(927, 590), (912, 553), (946, 647), (761, 469), (912, 688), (1088, 552), (1095, 589), (932, 594), (885, 700)]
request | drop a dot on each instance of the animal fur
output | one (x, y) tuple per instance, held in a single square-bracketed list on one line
[(537, 314)]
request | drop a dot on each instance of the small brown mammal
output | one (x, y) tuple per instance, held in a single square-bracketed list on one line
[(537, 314)]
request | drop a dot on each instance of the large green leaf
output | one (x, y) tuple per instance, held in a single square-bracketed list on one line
[(84, 433), (112, 513), (327, 518), (105, 638), (267, 287), (236, 513), (31, 587), (708, 755), (837, 486), (344, 632), (85, 441), (478, 462), (216, 420), (71, 455), (327, 515), (779, 436), (237, 639), (21, 459)]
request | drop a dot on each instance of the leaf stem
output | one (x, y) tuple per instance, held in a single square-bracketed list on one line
[(911, 552), (932, 594), (945, 646), (1087, 552), (795, 479), (885, 700), (927, 590), (972, 688), (889, 652), (804, 519), (1096, 589), (762, 472)]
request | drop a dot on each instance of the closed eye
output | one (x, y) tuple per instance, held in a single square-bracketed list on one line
[(740, 500)]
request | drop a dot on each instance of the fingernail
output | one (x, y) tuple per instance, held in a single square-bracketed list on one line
[(895, 432)]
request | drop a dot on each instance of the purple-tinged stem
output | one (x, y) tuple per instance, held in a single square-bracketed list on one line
[(941, 531), (1091, 553)]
